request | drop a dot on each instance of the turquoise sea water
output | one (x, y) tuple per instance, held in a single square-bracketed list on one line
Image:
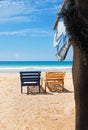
[(34, 63), (16, 66)]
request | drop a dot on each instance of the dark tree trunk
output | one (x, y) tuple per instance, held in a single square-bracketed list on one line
[(83, 8), (80, 76), (80, 81), (76, 21)]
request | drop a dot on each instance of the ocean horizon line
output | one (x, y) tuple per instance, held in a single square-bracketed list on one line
[(10, 66)]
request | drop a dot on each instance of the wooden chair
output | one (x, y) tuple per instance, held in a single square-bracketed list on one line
[(54, 78), (31, 78)]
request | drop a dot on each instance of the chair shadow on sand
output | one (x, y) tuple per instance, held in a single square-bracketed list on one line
[(58, 89), (33, 90)]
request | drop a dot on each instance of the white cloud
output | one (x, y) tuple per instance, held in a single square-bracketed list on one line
[(16, 19), (40, 2), (9, 8), (30, 33), (13, 11), (18, 11)]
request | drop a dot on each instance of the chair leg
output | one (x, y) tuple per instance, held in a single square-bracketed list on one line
[(63, 87), (27, 90), (39, 88), (45, 87), (21, 89)]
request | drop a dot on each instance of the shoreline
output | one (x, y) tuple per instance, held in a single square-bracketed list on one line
[(35, 68)]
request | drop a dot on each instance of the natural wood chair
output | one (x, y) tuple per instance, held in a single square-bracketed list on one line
[(54, 78)]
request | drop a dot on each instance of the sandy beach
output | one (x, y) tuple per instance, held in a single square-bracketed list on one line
[(51, 111)]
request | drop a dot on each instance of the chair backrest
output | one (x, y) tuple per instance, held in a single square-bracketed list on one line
[(30, 78), (52, 75)]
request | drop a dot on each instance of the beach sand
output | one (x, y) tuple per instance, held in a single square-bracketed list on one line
[(51, 111)]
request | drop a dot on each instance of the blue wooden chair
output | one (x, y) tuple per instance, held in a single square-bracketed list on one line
[(30, 78)]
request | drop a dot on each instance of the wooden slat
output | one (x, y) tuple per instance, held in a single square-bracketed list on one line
[(30, 84), (30, 80), (30, 73), (53, 75), (55, 83)]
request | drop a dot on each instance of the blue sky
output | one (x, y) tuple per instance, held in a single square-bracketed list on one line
[(26, 30)]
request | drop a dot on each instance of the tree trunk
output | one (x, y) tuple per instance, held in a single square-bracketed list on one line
[(82, 6), (80, 81)]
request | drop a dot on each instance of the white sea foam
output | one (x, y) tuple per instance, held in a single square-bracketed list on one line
[(36, 68)]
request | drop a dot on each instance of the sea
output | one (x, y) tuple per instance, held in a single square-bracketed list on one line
[(17, 66)]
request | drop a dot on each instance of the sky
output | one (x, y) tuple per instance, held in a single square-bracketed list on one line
[(26, 30)]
